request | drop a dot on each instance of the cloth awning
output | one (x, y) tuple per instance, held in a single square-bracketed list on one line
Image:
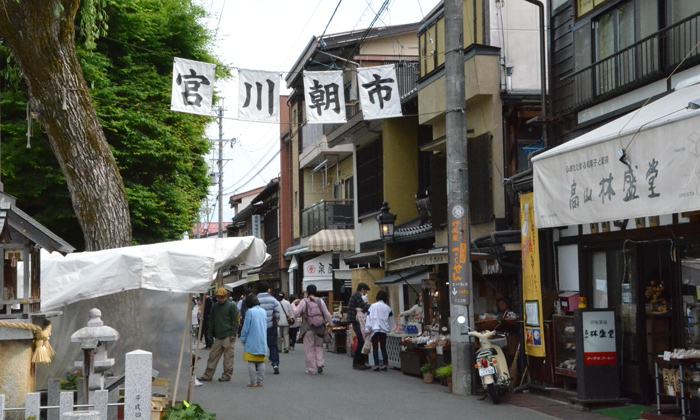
[(410, 275), (294, 264), (231, 286), (332, 240), (582, 181), (296, 250)]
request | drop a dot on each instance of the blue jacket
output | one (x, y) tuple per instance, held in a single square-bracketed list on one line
[(254, 332)]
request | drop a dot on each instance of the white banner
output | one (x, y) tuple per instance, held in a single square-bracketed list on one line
[(258, 95), (379, 92), (193, 86), (325, 97)]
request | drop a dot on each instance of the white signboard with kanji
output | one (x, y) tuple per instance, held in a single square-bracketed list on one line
[(193, 87), (379, 92), (258, 95), (599, 338), (325, 97)]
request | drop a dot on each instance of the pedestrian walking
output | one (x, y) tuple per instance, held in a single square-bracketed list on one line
[(272, 308), (293, 328), (357, 301), (222, 325), (314, 315), (254, 338), (380, 320), (286, 320), (204, 312)]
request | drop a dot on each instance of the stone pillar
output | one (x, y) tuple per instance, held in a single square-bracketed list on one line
[(53, 398), (31, 406), (66, 403), (100, 399), (137, 387)]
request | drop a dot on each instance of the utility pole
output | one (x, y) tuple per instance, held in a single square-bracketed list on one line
[(221, 172), (459, 224)]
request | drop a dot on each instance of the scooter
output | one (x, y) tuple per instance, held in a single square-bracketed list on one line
[(491, 365)]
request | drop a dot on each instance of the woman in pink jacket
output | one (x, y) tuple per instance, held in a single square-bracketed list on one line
[(315, 315)]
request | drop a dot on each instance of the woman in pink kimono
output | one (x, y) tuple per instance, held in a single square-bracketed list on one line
[(315, 315)]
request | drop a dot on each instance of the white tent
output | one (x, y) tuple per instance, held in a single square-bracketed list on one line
[(181, 266)]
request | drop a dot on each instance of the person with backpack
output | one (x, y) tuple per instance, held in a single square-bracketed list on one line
[(314, 315)]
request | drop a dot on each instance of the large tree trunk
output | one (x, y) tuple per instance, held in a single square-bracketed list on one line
[(41, 35)]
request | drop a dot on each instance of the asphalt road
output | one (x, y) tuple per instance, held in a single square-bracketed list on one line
[(340, 393)]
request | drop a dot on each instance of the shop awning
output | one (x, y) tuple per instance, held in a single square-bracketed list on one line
[(582, 181), (432, 257), (332, 240), (231, 286), (409, 275), (296, 250)]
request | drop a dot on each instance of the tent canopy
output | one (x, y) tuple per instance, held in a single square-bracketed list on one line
[(181, 266), (582, 181)]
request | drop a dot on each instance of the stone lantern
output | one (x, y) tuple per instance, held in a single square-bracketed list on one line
[(93, 339)]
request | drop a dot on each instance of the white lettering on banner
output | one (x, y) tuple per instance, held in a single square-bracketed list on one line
[(193, 87)]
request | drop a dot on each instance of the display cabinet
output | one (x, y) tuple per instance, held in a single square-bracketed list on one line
[(564, 345)]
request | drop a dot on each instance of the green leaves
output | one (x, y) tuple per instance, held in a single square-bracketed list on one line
[(160, 153), (188, 412)]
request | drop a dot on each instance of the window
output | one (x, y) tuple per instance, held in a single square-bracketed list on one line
[(615, 32), (681, 9), (370, 179)]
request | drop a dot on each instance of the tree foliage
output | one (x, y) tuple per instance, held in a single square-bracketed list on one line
[(126, 50)]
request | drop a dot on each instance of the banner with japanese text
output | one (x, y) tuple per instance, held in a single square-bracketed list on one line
[(258, 95), (325, 97), (379, 92), (193, 87), (532, 284)]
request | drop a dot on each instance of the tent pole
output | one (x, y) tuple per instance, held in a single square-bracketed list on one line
[(182, 348), (196, 356)]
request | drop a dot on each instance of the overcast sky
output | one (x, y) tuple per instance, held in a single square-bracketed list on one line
[(270, 35)]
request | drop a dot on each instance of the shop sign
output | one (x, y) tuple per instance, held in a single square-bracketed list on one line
[(532, 292), (599, 338), (418, 260), (459, 261), (257, 226)]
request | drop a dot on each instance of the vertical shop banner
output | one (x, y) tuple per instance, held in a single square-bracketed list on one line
[(258, 95), (379, 92), (325, 97), (193, 87), (599, 338), (532, 285), (459, 264)]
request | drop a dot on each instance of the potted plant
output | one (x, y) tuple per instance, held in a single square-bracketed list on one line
[(428, 373), (187, 411), (445, 373)]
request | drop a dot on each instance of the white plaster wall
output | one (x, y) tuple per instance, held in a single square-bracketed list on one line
[(514, 27)]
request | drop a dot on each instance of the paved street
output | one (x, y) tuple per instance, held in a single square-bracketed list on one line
[(343, 393)]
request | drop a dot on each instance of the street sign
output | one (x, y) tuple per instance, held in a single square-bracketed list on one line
[(459, 257)]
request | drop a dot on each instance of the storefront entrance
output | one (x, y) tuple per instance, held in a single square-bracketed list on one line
[(638, 279)]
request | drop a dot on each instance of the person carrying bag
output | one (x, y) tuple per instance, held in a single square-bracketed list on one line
[(313, 328)]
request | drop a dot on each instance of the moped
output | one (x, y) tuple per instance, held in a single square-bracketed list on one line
[(491, 365)]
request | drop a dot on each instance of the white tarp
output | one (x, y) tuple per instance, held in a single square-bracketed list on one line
[(180, 266), (379, 92), (325, 97), (582, 181), (193, 86)]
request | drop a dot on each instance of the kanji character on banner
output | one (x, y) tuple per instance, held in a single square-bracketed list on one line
[(325, 97), (193, 86), (379, 92), (258, 95)]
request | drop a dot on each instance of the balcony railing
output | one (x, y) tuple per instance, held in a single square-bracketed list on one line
[(327, 214), (648, 60)]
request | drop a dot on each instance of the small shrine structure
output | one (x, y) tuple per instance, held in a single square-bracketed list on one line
[(24, 328)]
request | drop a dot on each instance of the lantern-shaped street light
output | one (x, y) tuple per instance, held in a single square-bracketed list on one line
[(386, 223)]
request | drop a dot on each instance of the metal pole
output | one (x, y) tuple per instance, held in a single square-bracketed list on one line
[(221, 173), (459, 273), (543, 71)]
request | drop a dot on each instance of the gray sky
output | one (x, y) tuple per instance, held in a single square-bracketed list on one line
[(270, 35)]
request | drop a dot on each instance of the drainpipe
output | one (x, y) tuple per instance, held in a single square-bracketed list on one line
[(543, 69)]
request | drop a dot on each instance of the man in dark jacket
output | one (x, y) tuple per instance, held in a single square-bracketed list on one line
[(356, 301), (223, 326)]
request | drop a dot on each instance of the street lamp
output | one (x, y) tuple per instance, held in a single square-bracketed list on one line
[(386, 223)]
